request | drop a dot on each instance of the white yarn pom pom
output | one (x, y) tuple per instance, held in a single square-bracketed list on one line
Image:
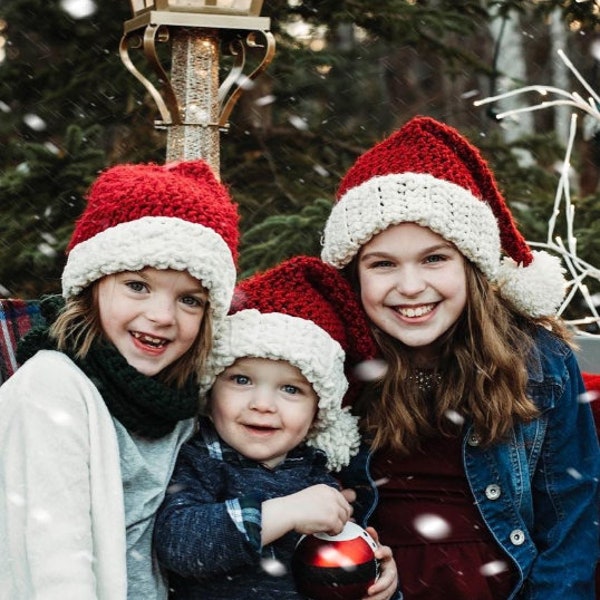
[(538, 289), (336, 433)]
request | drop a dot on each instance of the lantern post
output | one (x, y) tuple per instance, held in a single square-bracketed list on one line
[(194, 100)]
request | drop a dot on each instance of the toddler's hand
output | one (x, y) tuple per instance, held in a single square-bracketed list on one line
[(319, 508), (386, 585)]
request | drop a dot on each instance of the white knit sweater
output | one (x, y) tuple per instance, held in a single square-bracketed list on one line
[(62, 517)]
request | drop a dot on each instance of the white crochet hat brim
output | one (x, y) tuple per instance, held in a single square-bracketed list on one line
[(277, 336), (161, 243), (452, 212), (442, 206)]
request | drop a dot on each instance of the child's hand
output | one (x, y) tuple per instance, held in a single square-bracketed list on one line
[(319, 508), (387, 583)]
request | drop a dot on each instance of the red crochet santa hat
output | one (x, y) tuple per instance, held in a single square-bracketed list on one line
[(304, 312), (177, 216), (427, 173)]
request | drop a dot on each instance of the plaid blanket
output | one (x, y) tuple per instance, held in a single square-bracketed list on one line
[(16, 318)]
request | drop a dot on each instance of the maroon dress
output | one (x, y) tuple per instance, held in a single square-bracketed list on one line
[(427, 515)]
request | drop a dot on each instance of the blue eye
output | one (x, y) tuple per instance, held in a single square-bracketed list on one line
[(381, 264), (192, 301), (136, 286), (290, 389), (240, 379), (434, 258)]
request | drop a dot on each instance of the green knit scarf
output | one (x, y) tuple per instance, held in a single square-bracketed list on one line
[(144, 405)]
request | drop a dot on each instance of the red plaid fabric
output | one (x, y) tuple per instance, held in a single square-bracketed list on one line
[(17, 317)]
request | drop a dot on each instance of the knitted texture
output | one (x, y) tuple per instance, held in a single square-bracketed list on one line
[(276, 336), (177, 216), (427, 173), (303, 312), (306, 287)]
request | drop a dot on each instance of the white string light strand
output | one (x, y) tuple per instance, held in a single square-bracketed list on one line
[(577, 269)]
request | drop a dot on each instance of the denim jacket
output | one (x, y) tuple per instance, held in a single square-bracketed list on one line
[(538, 491)]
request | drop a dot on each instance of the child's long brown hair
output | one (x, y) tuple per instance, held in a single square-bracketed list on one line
[(481, 371), (78, 326)]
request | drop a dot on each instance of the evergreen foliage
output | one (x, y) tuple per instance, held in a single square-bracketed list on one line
[(69, 108), (41, 198)]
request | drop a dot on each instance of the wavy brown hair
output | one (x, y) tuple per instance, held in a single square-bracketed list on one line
[(481, 372), (78, 326)]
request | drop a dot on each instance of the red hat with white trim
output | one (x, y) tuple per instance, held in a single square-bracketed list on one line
[(302, 311), (427, 173), (177, 216)]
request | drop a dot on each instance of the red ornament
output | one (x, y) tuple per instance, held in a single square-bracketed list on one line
[(335, 567)]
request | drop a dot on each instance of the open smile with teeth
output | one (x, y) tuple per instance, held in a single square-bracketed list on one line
[(415, 311), (149, 340)]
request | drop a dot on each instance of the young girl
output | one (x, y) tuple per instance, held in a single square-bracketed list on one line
[(91, 424), (256, 475), (482, 466)]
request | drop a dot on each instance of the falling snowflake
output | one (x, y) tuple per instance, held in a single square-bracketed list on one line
[(273, 567), (493, 568), (574, 473), (454, 416), (432, 527), (370, 370)]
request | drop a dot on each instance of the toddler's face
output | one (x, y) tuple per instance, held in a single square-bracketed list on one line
[(263, 408), (413, 284), (152, 316)]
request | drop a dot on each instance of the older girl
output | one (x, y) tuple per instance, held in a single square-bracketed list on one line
[(482, 465)]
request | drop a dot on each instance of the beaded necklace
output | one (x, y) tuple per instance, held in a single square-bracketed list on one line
[(425, 379)]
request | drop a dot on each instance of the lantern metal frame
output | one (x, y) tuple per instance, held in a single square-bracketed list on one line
[(243, 35)]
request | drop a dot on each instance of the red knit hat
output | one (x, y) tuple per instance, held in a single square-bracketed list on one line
[(427, 173), (304, 312), (305, 286), (177, 216)]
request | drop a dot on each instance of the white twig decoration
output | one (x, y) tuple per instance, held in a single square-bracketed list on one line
[(577, 269)]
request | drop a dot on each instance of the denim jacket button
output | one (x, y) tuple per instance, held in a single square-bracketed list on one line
[(493, 491), (473, 440), (517, 537)]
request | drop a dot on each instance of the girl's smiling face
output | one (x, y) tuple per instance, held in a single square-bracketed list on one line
[(413, 284), (152, 316)]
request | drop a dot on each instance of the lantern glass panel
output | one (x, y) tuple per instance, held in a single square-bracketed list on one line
[(215, 7), (139, 6)]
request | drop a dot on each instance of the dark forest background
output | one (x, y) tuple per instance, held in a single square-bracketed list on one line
[(68, 108)]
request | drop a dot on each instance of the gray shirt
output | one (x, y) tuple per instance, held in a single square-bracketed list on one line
[(146, 468)]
